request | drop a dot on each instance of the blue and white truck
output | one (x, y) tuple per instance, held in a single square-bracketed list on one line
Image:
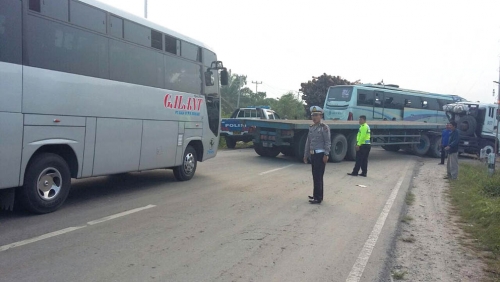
[(233, 128)]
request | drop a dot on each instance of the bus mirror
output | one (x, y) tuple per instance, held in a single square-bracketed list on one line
[(224, 77), (209, 78)]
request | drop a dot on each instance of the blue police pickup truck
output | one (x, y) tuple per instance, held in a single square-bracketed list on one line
[(233, 128)]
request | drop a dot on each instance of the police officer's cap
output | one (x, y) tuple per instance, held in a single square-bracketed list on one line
[(316, 110)]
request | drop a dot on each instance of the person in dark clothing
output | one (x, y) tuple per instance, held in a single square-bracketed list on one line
[(452, 149), (445, 136)]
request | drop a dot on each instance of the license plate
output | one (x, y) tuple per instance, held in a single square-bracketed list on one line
[(236, 133), (466, 143)]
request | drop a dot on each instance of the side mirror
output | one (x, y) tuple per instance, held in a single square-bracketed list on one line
[(224, 77), (209, 78)]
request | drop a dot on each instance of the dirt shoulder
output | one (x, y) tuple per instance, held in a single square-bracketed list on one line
[(429, 247)]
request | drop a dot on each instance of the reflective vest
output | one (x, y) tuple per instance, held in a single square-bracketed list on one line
[(363, 135)]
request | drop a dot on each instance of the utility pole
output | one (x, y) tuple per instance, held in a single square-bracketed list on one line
[(256, 84), (239, 92), (146, 9)]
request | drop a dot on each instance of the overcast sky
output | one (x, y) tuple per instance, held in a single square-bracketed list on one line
[(441, 46)]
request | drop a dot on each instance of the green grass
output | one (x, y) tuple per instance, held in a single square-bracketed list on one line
[(410, 239), (399, 275), (239, 145), (406, 219), (410, 198), (476, 198)]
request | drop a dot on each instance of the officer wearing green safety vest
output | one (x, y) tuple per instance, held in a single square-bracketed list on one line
[(363, 148)]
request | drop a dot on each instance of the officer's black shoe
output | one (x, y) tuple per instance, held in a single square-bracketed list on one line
[(310, 197), (352, 174), (363, 174), (315, 202)]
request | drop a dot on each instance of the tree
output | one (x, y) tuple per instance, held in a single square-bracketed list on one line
[(314, 92), (289, 107)]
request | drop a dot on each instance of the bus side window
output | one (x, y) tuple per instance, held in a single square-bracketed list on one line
[(432, 104), (393, 101), (378, 100), (425, 105), (365, 98)]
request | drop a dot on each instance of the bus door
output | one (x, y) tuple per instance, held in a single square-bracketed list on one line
[(378, 105)]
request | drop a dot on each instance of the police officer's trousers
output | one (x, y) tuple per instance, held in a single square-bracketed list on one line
[(362, 160), (318, 170)]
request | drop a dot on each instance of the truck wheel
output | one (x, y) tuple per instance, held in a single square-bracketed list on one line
[(287, 151), (186, 171), (467, 125), (422, 148), (272, 152), (46, 184), (339, 148), (351, 147), (259, 149), (230, 142), (408, 149), (299, 145), (391, 148), (435, 149), (489, 146)]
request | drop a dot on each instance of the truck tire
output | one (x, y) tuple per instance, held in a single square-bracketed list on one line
[(338, 150), (299, 145), (46, 184), (435, 149), (391, 148), (259, 149), (287, 151), (230, 142), (488, 145), (266, 152), (186, 171), (351, 147), (467, 126), (422, 148)]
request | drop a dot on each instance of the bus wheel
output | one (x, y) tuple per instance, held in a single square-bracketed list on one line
[(422, 148), (188, 168), (230, 142), (351, 147), (339, 148), (46, 184)]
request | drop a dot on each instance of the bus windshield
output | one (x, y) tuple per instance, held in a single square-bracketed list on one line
[(339, 94)]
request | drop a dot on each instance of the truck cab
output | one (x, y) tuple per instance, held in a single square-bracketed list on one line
[(476, 124), (233, 128)]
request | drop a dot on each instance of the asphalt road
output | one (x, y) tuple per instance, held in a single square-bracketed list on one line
[(242, 218)]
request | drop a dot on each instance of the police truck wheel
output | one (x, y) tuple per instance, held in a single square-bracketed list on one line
[(351, 147), (230, 142), (435, 149), (186, 171), (46, 184), (339, 148), (422, 148)]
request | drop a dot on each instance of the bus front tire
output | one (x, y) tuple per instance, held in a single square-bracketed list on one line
[(46, 184), (186, 171)]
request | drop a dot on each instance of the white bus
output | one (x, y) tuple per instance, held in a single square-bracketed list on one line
[(88, 90), (391, 103)]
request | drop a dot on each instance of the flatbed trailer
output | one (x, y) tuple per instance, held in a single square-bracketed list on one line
[(272, 137)]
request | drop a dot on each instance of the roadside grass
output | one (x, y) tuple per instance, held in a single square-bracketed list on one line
[(476, 198), (399, 275), (410, 239), (407, 219), (239, 145), (410, 198)]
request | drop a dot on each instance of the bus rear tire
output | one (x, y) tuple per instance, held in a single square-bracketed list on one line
[(186, 171), (46, 184)]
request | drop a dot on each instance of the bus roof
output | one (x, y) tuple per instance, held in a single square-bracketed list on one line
[(145, 22), (397, 89)]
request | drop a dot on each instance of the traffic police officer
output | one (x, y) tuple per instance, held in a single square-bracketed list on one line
[(362, 148), (318, 150)]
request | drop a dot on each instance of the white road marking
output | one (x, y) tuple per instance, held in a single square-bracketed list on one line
[(276, 169), (119, 215), (39, 238), (70, 229), (360, 264)]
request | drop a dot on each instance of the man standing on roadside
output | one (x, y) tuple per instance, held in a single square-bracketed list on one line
[(318, 150), (363, 148), (452, 149), (445, 136)]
